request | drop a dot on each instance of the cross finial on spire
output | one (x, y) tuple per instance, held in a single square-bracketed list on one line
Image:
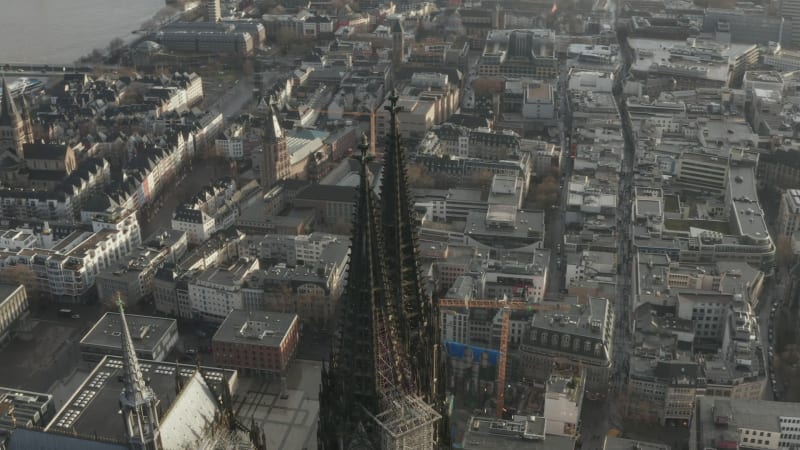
[(393, 98), (364, 157)]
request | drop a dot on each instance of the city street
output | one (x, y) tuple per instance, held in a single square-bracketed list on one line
[(555, 224), (597, 418), (770, 305), (200, 173)]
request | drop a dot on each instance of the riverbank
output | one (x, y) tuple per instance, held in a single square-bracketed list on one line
[(60, 32)]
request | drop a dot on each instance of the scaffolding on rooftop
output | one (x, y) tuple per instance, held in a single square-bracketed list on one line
[(408, 424)]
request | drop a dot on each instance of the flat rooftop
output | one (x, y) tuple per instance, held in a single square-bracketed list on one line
[(94, 407), (582, 320), (615, 443), (648, 207), (653, 52), (29, 407), (525, 433), (754, 414), (538, 91), (255, 327), (146, 331)]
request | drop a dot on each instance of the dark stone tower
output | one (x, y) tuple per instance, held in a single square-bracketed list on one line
[(14, 132), (275, 166), (398, 43), (367, 367), (418, 311)]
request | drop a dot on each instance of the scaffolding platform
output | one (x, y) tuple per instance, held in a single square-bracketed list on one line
[(408, 424)]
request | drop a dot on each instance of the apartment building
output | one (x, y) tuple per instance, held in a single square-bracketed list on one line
[(13, 307), (132, 277), (789, 212), (215, 291), (582, 336), (67, 271)]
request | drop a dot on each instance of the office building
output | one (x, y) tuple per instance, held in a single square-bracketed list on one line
[(563, 400), (728, 423), (153, 337), (519, 53), (256, 342), (128, 403), (519, 433), (23, 409), (617, 443), (582, 336)]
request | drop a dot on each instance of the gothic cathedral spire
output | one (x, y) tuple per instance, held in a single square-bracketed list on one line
[(137, 400), (418, 312), (367, 367)]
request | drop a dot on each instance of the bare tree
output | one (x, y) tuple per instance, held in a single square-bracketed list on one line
[(418, 176), (546, 193), (784, 255), (342, 227), (286, 38), (488, 86), (247, 67), (115, 45), (24, 275), (481, 179)]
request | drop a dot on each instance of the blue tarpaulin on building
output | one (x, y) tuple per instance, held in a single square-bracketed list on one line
[(458, 350)]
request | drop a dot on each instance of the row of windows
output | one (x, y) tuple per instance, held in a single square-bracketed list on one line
[(757, 433)]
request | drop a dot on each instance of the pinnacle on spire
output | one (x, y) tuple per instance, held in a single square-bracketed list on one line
[(135, 387), (274, 131)]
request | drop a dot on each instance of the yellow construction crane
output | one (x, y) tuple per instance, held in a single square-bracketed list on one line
[(505, 306)]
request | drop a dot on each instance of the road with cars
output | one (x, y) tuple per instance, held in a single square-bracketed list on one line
[(771, 305), (598, 417), (556, 216)]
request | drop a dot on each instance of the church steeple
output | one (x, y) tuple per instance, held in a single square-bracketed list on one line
[(275, 164), (137, 400), (400, 235), (398, 43), (8, 111), (13, 130), (367, 367), (418, 312)]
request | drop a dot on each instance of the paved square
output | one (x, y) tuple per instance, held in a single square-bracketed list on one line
[(288, 423)]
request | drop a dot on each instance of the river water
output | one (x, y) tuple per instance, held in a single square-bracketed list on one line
[(61, 31)]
